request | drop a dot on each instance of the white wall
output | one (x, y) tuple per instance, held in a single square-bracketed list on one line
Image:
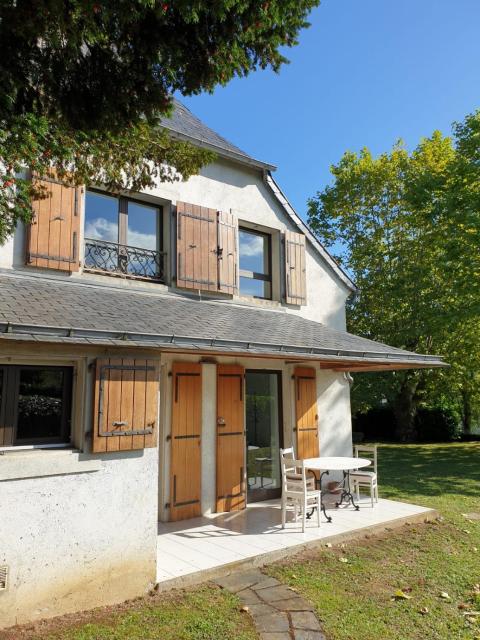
[(79, 541), (335, 422), (74, 538), (225, 185)]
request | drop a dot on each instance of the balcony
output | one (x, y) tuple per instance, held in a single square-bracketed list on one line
[(124, 261)]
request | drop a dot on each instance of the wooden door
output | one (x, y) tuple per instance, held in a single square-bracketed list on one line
[(231, 479), (185, 467), (306, 412)]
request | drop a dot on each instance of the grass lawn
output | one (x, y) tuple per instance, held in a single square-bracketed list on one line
[(206, 613), (354, 598)]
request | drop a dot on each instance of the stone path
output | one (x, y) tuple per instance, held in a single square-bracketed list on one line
[(278, 612)]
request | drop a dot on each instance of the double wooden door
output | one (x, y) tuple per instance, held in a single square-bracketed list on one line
[(231, 468)]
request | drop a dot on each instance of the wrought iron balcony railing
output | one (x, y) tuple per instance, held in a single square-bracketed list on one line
[(122, 260)]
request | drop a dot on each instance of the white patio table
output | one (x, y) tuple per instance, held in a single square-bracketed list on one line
[(345, 464)]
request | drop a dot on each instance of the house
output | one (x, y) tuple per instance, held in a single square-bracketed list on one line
[(156, 351)]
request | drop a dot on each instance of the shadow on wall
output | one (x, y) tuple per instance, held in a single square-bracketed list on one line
[(429, 470)]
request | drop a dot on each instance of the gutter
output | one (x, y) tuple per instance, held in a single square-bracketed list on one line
[(68, 334)]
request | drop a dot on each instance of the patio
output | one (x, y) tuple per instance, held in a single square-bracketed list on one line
[(199, 549)]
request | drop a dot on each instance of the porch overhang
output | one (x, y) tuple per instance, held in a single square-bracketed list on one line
[(61, 311)]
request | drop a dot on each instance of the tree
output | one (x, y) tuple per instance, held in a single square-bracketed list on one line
[(458, 387), (408, 228), (89, 80)]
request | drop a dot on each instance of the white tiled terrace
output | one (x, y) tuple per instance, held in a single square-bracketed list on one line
[(202, 548)]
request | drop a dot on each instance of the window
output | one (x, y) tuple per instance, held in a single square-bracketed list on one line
[(123, 236), (255, 264), (35, 405)]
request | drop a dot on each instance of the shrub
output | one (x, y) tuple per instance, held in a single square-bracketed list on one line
[(376, 424), (432, 425), (437, 425)]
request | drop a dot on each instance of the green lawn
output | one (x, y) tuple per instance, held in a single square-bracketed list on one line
[(354, 598), (206, 613)]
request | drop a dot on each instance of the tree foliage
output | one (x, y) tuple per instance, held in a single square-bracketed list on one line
[(408, 229), (85, 83), (135, 158)]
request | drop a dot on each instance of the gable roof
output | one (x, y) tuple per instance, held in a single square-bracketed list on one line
[(58, 309), (186, 126)]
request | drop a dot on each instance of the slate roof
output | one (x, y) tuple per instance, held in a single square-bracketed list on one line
[(184, 123), (60, 309)]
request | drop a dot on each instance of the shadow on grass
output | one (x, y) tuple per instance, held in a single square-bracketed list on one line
[(430, 470)]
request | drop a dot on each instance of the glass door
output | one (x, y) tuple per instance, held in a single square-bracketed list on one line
[(264, 433)]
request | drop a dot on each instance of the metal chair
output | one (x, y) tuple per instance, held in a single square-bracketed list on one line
[(298, 490), (364, 477)]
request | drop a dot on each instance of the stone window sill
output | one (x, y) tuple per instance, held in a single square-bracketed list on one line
[(18, 465)]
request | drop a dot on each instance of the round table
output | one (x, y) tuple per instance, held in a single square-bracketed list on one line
[(337, 463)]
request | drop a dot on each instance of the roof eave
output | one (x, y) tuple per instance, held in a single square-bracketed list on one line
[(340, 360), (333, 264), (220, 151)]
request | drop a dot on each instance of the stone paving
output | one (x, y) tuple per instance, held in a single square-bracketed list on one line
[(278, 612)]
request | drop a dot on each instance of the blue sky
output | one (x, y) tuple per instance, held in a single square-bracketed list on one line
[(366, 73)]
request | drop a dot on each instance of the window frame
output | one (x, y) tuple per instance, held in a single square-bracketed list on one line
[(122, 217), (254, 275), (9, 394)]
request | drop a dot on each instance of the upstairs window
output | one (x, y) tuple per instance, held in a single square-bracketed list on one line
[(35, 405), (123, 237), (255, 264)]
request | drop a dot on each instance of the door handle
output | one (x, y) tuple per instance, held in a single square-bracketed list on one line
[(221, 422)]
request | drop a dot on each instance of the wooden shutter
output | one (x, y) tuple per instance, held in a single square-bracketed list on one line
[(231, 478), (185, 467), (52, 237), (197, 265), (295, 276), (227, 252), (306, 412), (125, 404)]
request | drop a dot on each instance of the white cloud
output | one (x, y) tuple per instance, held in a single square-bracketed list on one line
[(251, 246), (144, 240), (102, 229)]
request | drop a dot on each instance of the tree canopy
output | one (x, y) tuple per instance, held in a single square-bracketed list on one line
[(85, 83), (98, 64), (407, 227)]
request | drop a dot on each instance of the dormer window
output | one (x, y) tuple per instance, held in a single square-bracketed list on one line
[(255, 263), (123, 237)]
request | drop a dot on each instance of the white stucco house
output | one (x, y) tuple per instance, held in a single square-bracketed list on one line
[(156, 351)]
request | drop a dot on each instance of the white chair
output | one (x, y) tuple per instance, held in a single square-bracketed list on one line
[(364, 477), (298, 490)]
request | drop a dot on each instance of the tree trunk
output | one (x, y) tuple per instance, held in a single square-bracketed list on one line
[(467, 413), (405, 410)]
